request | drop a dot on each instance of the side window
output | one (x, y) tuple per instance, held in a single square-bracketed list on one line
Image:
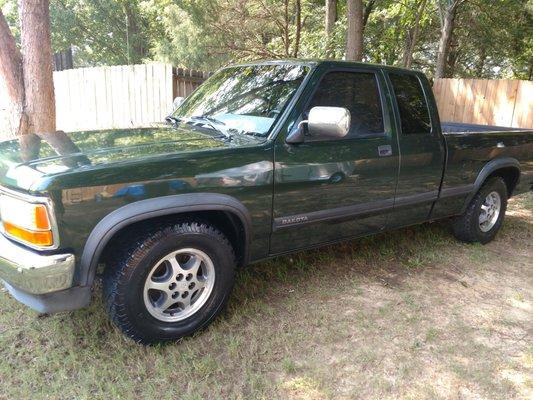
[(412, 104), (356, 91)]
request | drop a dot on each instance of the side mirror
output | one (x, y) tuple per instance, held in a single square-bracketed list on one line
[(177, 102), (326, 122)]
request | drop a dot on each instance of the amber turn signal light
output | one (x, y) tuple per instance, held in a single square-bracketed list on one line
[(44, 238)]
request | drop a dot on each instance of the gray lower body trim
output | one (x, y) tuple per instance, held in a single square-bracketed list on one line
[(49, 303), (415, 199), (355, 211), (456, 191)]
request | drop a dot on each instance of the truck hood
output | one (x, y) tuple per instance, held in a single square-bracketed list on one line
[(31, 157)]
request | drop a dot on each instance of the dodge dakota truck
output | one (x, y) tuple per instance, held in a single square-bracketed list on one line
[(261, 160)]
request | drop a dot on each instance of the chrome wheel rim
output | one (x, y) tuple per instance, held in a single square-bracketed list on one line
[(490, 211), (179, 285)]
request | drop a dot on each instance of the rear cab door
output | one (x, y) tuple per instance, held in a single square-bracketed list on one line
[(421, 144)]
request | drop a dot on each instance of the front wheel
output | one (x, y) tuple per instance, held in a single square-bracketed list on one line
[(170, 282), (484, 215)]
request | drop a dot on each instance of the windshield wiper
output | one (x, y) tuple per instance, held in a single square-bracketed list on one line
[(172, 120), (202, 119), (254, 134), (212, 119), (209, 121)]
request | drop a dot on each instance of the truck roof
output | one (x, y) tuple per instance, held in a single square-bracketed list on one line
[(313, 62)]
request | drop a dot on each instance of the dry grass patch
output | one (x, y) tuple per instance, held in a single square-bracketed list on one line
[(407, 314)]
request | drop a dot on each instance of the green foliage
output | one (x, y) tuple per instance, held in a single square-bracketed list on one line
[(491, 38), (105, 32)]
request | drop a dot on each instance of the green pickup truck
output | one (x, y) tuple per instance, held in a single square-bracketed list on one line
[(262, 159)]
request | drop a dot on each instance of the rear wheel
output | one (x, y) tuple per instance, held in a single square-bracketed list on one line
[(170, 282), (484, 215)]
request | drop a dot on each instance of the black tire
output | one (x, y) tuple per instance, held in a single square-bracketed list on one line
[(125, 276), (467, 227)]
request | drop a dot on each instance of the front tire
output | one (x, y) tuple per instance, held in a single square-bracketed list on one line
[(170, 283), (484, 215)]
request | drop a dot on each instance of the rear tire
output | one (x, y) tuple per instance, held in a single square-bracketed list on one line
[(484, 215), (169, 283)]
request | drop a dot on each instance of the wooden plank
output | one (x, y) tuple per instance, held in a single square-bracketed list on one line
[(489, 98), (149, 84), (465, 114), (168, 94), (459, 100), (504, 100), (145, 118), (130, 73), (479, 88), (159, 82), (101, 99), (109, 97), (90, 92), (138, 72), (83, 121), (59, 91), (124, 97), (523, 110), (449, 98), (117, 93)]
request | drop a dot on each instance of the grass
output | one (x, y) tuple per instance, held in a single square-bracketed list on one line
[(410, 314)]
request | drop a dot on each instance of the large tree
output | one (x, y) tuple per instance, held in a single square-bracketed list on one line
[(28, 72), (354, 30), (413, 30), (331, 17), (448, 12)]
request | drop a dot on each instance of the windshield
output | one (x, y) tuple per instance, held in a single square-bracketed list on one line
[(245, 99)]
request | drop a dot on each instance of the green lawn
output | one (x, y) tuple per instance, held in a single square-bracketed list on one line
[(410, 314)]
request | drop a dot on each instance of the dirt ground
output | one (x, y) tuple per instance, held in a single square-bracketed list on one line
[(409, 314)]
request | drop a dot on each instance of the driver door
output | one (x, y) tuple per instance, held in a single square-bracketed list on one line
[(330, 189)]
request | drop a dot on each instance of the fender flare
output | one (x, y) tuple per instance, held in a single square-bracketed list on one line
[(487, 170), (142, 210)]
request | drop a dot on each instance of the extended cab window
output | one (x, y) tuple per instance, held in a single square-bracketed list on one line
[(414, 113), (356, 91)]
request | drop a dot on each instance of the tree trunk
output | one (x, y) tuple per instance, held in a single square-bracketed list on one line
[(368, 10), (11, 71), (480, 63), (354, 31), (286, 31), (298, 24), (331, 17), (412, 36), (453, 56), (135, 51), (37, 68), (445, 38)]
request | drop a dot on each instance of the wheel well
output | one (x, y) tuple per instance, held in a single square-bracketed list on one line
[(227, 222), (510, 176)]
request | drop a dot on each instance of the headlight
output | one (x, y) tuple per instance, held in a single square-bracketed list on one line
[(26, 222)]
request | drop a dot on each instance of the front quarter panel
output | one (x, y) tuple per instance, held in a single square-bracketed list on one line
[(244, 174)]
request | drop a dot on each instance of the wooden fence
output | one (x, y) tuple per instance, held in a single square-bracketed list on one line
[(113, 97), (141, 95), (487, 102), (120, 96), (185, 81)]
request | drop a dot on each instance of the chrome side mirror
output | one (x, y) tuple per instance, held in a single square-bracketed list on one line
[(323, 122)]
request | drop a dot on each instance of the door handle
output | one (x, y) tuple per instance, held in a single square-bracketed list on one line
[(385, 150)]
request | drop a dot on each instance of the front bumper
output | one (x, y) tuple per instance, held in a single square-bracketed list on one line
[(32, 272), (42, 282)]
